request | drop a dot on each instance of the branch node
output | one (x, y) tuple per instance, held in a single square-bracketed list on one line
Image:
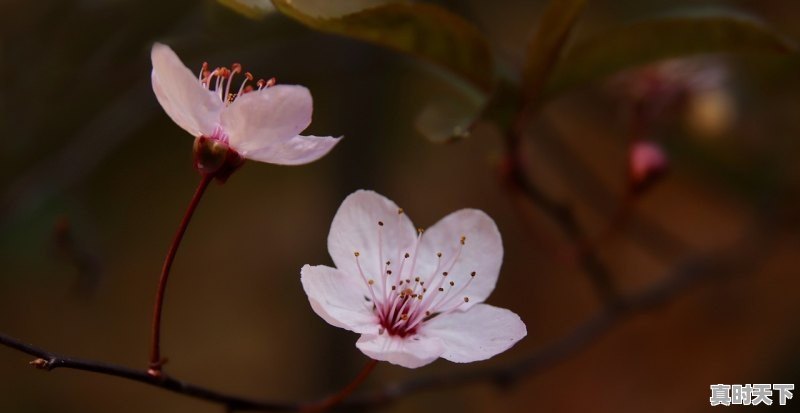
[(42, 364)]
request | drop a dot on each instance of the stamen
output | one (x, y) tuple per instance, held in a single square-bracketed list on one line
[(203, 71), (248, 77), (364, 278)]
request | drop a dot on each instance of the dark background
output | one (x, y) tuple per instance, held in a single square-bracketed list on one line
[(94, 178)]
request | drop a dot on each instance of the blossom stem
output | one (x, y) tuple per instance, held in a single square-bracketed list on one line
[(155, 353), (346, 391)]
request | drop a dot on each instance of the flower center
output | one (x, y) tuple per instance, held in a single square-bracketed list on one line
[(221, 78), (402, 298)]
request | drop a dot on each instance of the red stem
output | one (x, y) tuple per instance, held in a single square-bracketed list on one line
[(155, 354), (346, 391)]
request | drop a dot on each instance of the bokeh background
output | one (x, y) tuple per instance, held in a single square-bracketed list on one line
[(94, 178)]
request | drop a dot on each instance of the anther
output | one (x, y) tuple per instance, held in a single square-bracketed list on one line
[(271, 82), (261, 83), (439, 254), (416, 279), (394, 287), (463, 240), (356, 253), (441, 289), (407, 255), (445, 274), (370, 282), (466, 299), (389, 272), (420, 230), (472, 274), (380, 223), (399, 211), (452, 283)]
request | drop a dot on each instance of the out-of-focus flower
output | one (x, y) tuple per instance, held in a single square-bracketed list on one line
[(413, 296), (647, 164), (232, 123), (698, 89)]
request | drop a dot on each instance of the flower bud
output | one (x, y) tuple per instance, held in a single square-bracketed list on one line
[(647, 164), (213, 157)]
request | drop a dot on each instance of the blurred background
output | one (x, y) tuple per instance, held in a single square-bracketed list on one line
[(94, 178)]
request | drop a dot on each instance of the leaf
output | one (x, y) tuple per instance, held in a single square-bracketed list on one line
[(253, 9), (654, 39), (544, 50), (447, 119), (328, 9), (422, 30)]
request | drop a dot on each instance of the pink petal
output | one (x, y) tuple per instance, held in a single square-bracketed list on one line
[(410, 352), (477, 334), (296, 151), (356, 228), (339, 298), (481, 253), (267, 119), (193, 107)]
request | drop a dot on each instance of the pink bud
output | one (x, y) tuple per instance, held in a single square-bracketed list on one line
[(647, 164)]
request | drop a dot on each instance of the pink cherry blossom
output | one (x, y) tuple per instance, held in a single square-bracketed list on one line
[(413, 295), (261, 124)]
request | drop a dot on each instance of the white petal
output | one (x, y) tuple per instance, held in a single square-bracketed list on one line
[(477, 334), (355, 228), (411, 352), (296, 151), (339, 298), (189, 104), (265, 120), (481, 253)]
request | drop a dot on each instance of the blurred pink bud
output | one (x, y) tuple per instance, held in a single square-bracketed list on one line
[(647, 164)]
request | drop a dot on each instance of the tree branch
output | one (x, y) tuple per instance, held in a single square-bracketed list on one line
[(47, 360), (740, 259)]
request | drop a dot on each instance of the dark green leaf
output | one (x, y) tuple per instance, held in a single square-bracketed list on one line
[(254, 9), (423, 30), (544, 50), (660, 38)]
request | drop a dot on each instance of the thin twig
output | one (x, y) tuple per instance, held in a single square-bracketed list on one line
[(47, 360), (156, 362)]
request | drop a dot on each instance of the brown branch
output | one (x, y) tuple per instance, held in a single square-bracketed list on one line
[(47, 360), (738, 260)]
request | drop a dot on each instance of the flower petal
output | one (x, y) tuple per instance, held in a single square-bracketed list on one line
[(340, 299), (266, 119), (477, 334), (411, 352), (356, 228), (482, 253), (296, 151), (189, 104)]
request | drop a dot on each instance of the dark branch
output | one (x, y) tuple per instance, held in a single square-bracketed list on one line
[(738, 260), (50, 361)]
